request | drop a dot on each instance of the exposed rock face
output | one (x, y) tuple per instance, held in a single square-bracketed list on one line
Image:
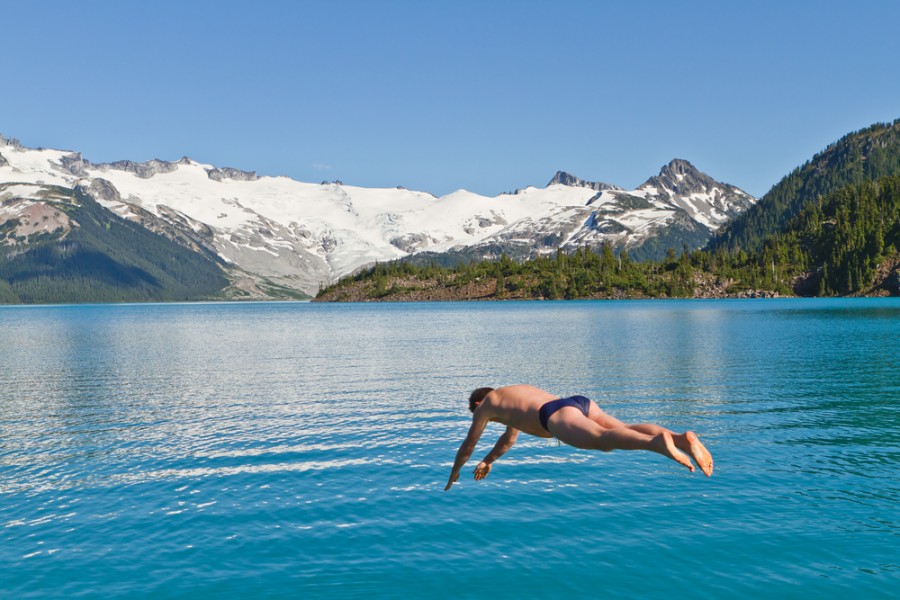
[(101, 190), (412, 242), (473, 224), (74, 164), (887, 277), (564, 178), (32, 210), (222, 173), (144, 170), (3, 161), (682, 178), (892, 283)]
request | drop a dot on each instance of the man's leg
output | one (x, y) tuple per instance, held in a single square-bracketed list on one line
[(686, 442), (572, 427)]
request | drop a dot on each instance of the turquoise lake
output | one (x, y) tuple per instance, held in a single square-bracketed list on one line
[(297, 450)]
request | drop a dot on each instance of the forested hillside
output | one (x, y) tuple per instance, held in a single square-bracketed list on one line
[(864, 155), (845, 243), (102, 258), (839, 244)]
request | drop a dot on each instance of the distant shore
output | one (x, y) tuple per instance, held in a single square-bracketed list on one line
[(416, 290)]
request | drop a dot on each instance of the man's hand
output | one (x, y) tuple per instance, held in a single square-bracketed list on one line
[(482, 470), (454, 475)]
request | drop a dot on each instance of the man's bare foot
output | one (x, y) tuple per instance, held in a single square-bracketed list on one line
[(699, 453), (665, 445)]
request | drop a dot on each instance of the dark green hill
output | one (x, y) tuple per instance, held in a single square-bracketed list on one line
[(845, 244), (865, 155), (98, 257)]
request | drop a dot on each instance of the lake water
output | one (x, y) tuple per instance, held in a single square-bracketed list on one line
[(295, 450)]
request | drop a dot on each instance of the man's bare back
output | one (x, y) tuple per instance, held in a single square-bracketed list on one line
[(576, 420), (517, 406)]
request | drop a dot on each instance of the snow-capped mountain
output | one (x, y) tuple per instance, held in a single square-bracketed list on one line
[(276, 230), (563, 178)]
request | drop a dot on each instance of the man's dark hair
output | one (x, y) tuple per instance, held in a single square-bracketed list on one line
[(477, 396)]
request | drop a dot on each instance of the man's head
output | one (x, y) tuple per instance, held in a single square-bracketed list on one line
[(477, 396)]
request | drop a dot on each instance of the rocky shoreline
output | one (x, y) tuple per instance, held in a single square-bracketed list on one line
[(409, 289), (413, 289)]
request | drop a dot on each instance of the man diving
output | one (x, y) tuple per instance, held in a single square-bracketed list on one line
[(576, 421)]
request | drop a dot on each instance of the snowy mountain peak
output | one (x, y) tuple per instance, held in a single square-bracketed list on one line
[(563, 178), (681, 178), (276, 233)]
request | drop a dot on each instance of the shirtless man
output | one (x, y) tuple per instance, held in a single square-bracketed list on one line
[(576, 420)]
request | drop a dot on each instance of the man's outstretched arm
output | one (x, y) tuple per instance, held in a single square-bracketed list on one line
[(479, 422), (505, 442)]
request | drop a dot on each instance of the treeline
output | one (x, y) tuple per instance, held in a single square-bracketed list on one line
[(833, 247), (585, 273), (581, 274)]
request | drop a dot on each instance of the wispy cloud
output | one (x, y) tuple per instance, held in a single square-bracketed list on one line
[(321, 167)]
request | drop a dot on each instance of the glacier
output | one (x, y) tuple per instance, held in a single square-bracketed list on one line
[(273, 232)]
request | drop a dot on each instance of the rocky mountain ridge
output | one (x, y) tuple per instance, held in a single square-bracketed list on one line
[(563, 178), (278, 233)]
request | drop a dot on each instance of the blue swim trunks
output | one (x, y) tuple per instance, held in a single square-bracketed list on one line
[(579, 402)]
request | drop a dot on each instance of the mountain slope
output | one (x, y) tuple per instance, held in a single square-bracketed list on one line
[(59, 245), (278, 236), (680, 206), (864, 155), (847, 243)]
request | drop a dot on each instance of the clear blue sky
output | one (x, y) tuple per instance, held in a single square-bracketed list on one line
[(486, 96)]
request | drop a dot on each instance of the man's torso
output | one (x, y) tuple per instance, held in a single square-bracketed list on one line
[(518, 406)]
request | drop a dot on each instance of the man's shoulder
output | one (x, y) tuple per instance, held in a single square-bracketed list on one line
[(515, 388), (521, 390)]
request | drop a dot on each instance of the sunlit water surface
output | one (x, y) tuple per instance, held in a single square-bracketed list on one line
[(300, 451)]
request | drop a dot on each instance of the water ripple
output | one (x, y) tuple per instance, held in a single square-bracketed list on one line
[(295, 449)]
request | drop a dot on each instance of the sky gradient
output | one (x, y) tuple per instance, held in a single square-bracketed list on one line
[(437, 96)]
